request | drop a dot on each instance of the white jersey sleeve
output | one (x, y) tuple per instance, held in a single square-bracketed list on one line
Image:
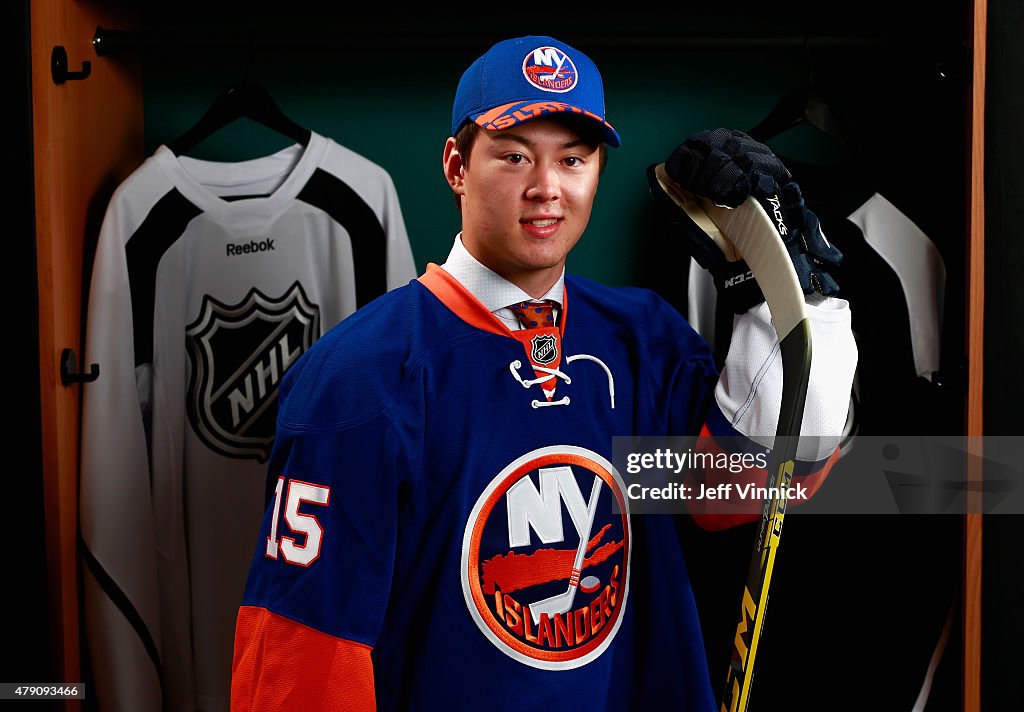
[(121, 600), (401, 266), (749, 391)]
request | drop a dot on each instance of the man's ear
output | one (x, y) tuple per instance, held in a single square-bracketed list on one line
[(454, 168)]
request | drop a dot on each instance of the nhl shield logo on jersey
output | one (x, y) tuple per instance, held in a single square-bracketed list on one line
[(544, 349), (545, 558), (237, 356), (550, 69)]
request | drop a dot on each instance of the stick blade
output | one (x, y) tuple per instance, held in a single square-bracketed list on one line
[(557, 604)]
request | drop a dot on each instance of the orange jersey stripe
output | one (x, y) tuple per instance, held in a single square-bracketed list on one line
[(281, 664)]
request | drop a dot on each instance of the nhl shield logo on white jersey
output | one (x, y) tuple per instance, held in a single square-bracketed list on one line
[(237, 356), (544, 349), (545, 558)]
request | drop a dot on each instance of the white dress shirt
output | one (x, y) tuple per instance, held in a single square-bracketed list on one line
[(491, 289)]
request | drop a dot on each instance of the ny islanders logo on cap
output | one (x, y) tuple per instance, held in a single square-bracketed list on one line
[(550, 69), (545, 558)]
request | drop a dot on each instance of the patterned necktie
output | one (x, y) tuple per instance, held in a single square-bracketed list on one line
[(533, 315)]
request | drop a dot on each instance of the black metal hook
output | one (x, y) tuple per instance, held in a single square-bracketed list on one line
[(59, 67), (69, 369)]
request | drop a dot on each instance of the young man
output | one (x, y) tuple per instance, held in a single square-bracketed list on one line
[(447, 530)]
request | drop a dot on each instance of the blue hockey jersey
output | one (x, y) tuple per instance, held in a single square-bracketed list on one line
[(445, 535)]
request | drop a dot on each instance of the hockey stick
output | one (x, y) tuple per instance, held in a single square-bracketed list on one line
[(749, 233), (562, 602)]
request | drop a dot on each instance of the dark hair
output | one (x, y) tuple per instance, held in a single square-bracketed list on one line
[(465, 137)]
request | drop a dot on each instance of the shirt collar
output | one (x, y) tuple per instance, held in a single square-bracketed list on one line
[(494, 291)]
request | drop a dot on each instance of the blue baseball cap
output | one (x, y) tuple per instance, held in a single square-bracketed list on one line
[(528, 77)]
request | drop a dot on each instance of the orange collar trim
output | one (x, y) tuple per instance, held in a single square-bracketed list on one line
[(470, 309)]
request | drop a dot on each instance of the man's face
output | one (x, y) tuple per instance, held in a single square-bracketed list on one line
[(526, 198)]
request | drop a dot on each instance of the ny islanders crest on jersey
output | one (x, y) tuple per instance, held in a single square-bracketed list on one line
[(238, 355), (545, 558)]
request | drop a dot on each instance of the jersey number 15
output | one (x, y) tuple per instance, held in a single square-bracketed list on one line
[(298, 492)]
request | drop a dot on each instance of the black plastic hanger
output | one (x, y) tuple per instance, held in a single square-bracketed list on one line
[(801, 105), (244, 101)]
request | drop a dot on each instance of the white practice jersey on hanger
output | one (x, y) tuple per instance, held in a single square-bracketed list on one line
[(209, 280)]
